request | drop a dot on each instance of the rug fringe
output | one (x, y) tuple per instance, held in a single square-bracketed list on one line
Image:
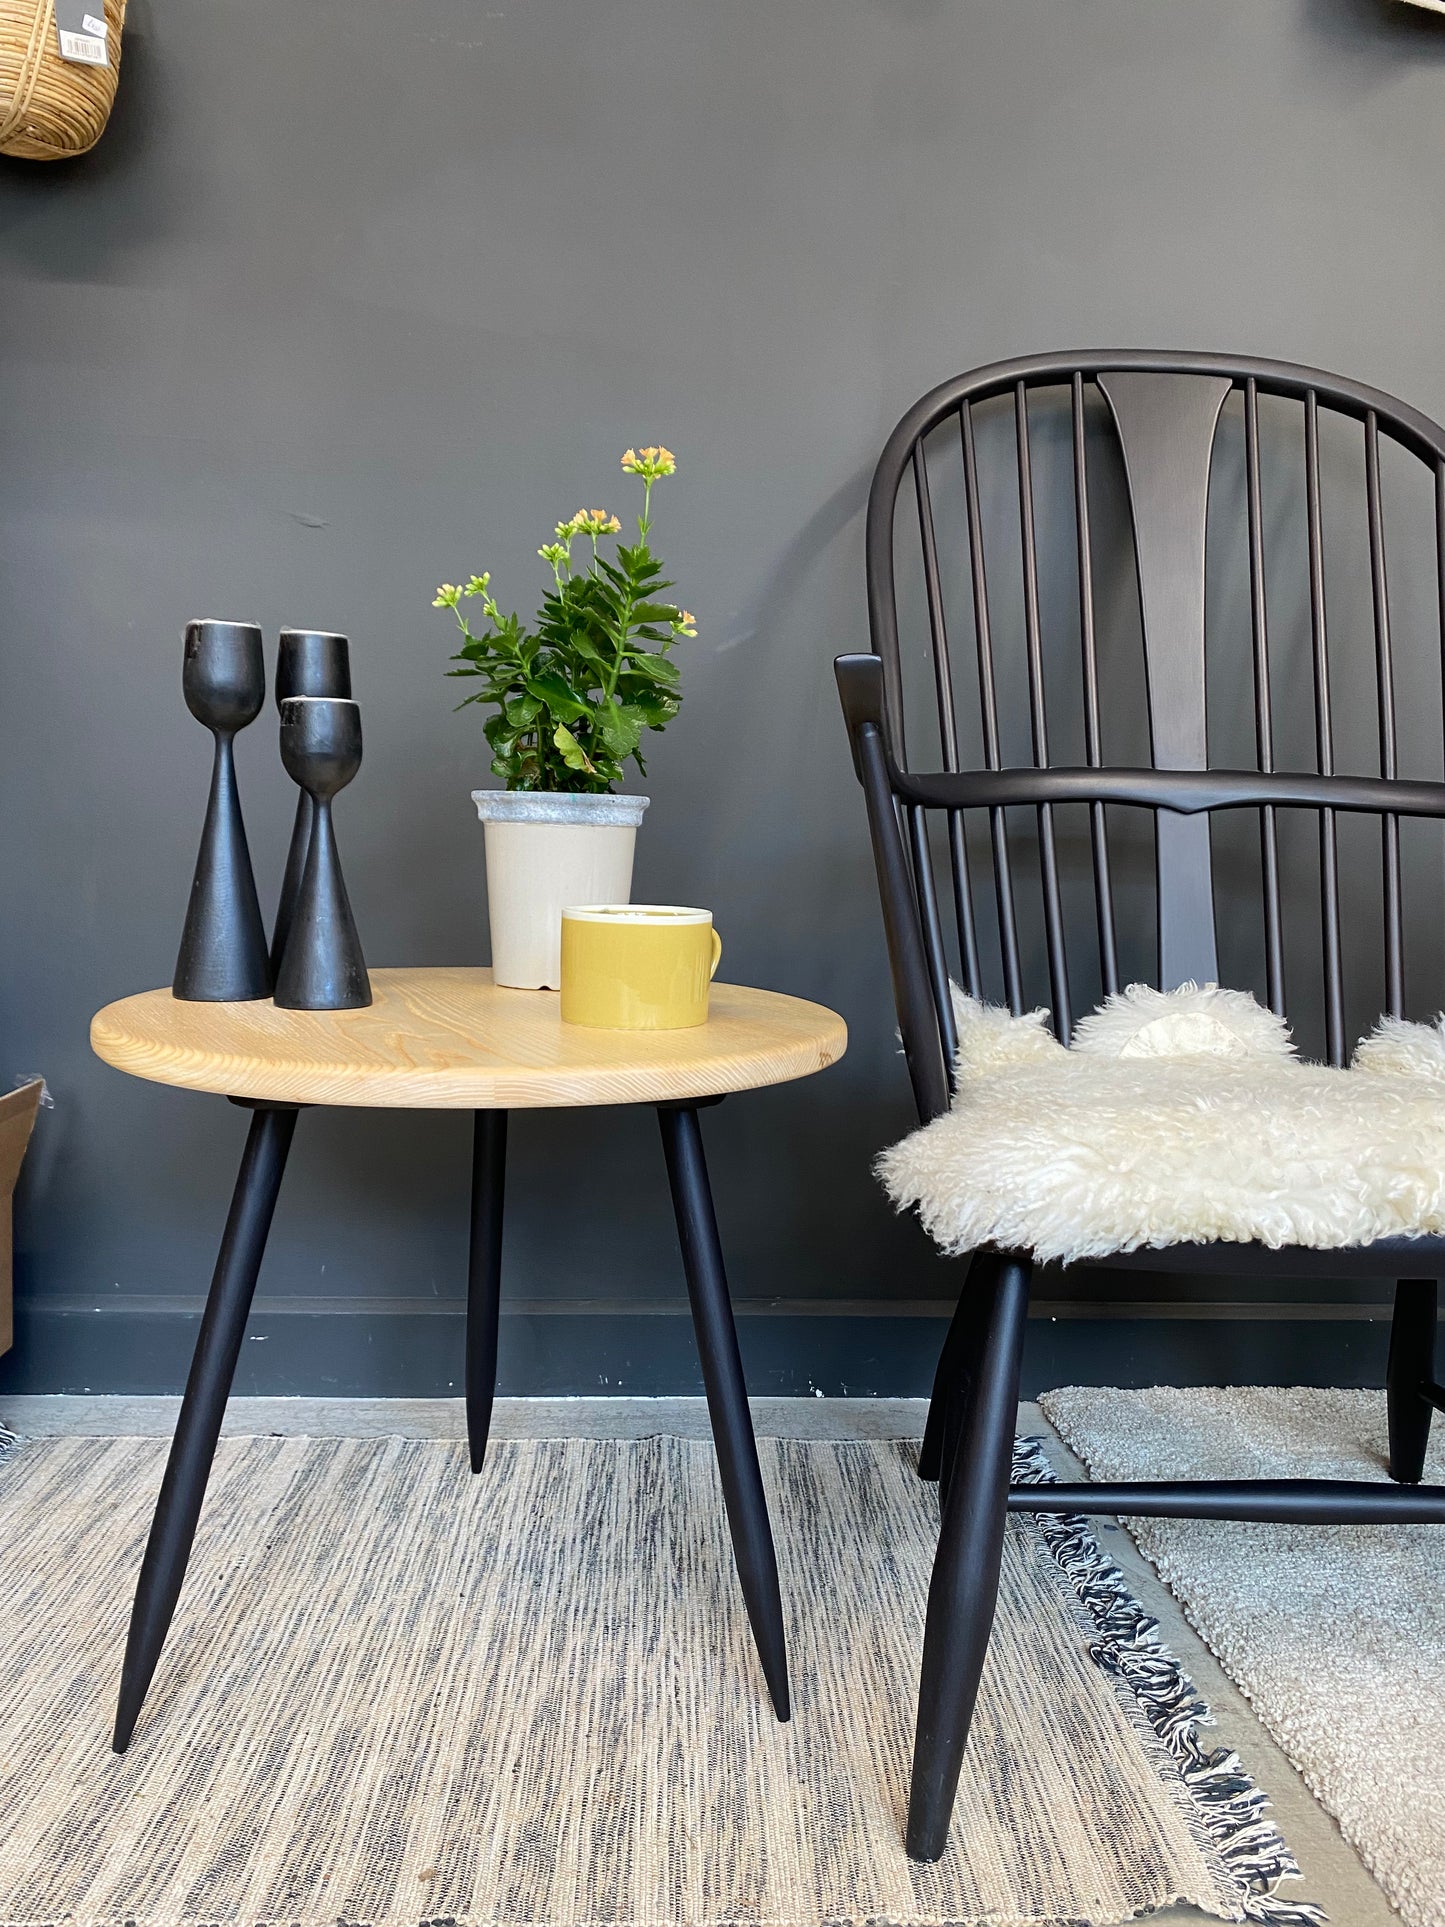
[(1230, 1806), (8, 1439)]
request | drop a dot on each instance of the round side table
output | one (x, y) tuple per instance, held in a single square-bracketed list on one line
[(444, 1039)]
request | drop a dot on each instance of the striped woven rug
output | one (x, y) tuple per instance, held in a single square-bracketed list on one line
[(397, 1694)]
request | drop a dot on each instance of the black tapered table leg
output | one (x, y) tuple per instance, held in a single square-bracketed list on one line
[(484, 1276), (954, 1366), (727, 1397), (218, 1346), (964, 1589), (1410, 1371)]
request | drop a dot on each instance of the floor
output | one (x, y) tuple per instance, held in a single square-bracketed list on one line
[(1334, 1876)]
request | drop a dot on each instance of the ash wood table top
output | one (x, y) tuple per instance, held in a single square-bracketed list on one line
[(443, 1039)]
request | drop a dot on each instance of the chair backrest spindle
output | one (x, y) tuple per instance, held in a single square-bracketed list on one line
[(1093, 735), (1038, 721), (988, 716), (1263, 706), (923, 883), (1334, 969), (937, 624), (948, 742), (1385, 684)]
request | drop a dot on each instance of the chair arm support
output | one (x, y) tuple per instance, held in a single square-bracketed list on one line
[(860, 684)]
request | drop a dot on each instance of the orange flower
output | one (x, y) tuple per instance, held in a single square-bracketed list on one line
[(650, 463)]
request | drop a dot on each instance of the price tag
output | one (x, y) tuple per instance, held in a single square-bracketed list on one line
[(81, 33)]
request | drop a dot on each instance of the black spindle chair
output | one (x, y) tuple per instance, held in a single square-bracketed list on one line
[(1016, 765)]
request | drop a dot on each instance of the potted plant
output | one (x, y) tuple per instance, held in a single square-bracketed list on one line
[(570, 699)]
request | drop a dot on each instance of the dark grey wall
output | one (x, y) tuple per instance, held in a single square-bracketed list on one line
[(354, 297)]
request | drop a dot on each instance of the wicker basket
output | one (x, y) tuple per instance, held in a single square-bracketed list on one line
[(51, 108)]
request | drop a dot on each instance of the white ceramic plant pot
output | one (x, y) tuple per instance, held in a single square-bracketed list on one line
[(544, 853)]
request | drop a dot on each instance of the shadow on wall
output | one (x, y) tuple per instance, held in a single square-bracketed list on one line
[(822, 528), (1395, 27)]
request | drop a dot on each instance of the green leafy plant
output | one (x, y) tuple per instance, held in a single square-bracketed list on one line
[(573, 694)]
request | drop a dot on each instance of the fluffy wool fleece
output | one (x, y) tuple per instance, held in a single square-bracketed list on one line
[(1173, 1118)]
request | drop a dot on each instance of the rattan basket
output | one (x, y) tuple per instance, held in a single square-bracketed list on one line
[(51, 108)]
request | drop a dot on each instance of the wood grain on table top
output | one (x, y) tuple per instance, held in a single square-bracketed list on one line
[(450, 1039)]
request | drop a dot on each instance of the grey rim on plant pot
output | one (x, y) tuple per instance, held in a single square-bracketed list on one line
[(544, 853), (570, 700)]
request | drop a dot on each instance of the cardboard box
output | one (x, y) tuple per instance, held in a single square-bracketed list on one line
[(17, 1119)]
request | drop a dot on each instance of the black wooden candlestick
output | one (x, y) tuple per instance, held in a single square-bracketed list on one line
[(323, 968), (223, 945), (311, 662)]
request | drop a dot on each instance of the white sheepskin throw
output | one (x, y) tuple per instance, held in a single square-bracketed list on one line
[(1176, 1118)]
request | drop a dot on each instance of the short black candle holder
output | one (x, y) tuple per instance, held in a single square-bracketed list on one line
[(223, 945), (311, 662), (323, 968)]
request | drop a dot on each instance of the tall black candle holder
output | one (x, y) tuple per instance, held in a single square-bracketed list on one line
[(223, 945), (323, 968), (311, 662)]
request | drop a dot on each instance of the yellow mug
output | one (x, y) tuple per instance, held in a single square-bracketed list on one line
[(637, 966)]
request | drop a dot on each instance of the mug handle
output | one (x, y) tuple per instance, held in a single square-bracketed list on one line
[(716, 956)]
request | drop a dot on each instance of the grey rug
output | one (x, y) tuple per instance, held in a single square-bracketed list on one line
[(396, 1694), (1335, 1633)]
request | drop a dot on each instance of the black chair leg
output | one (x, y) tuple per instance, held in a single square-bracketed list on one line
[(484, 1277), (1409, 1377), (954, 1363), (956, 1413), (964, 1588), (727, 1397), (207, 1388)]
